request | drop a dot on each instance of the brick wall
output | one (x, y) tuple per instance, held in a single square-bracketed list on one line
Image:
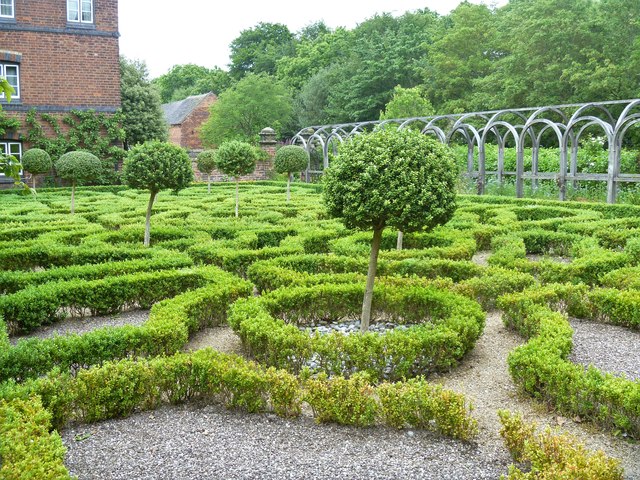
[(175, 135), (190, 128)]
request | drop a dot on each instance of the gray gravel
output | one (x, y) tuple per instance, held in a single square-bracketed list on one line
[(86, 324), (195, 442), (610, 348)]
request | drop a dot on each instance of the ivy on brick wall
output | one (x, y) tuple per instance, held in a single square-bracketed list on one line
[(7, 123), (91, 131)]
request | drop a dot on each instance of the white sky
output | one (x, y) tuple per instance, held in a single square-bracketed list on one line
[(164, 33)]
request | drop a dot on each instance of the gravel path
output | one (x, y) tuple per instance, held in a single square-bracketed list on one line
[(223, 339), (86, 324), (610, 348), (484, 378), (194, 442)]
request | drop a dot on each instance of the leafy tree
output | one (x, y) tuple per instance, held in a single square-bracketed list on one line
[(235, 158), (36, 161), (155, 166), (182, 81), (78, 168), (258, 49), (206, 164), (407, 102), (390, 177), (255, 102), (290, 159), (142, 116)]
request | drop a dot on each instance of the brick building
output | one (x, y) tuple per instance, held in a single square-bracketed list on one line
[(185, 117), (59, 55)]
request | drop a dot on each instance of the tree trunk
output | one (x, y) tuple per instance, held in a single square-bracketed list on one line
[(237, 197), (289, 187), (371, 276), (209, 184), (400, 238), (73, 197), (147, 224), (33, 180)]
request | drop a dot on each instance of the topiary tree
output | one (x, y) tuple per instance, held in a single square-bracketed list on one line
[(235, 159), (390, 177), (36, 161), (290, 159), (78, 167), (155, 166), (207, 164)]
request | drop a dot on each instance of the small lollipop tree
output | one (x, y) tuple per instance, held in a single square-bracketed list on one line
[(400, 179), (78, 168), (235, 158), (206, 161), (36, 161), (156, 166), (290, 159)]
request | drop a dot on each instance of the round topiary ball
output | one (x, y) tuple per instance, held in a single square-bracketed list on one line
[(206, 161), (291, 159), (155, 166), (235, 158), (78, 167), (36, 161)]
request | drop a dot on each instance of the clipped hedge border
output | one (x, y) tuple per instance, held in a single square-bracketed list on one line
[(541, 367), (165, 332), (447, 326)]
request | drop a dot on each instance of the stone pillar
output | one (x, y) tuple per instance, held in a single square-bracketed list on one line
[(268, 145)]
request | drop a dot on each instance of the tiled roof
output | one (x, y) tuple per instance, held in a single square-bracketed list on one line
[(176, 112)]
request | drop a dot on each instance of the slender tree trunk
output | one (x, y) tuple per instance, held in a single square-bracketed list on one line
[(73, 197), (147, 224), (400, 238), (289, 188), (209, 184), (237, 197), (33, 180), (371, 276)]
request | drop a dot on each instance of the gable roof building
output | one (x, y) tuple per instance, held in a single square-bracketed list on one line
[(185, 117)]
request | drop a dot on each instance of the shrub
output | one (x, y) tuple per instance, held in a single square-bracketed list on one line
[(155, 166), (206, 161), (235, 158), (35, 161), (290, 159), (78, 167), (396, 178)]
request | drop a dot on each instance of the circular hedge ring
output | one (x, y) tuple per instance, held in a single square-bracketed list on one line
[(439, 327)]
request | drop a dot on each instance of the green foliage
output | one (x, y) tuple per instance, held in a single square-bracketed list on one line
[(78, 167), (97, 133), (400, 179), (258, 49), (241, 112), (183, 81), (142, 116), (207, 161), (291, 159), (36, 160), (407, 102), (553, 455), (235, 158), (155, 166)]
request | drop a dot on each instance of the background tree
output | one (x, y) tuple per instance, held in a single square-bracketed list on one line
[(390, 177), (142, 116), (255, 102), (290, 159), (235, 158), (258, 49), (407, 102), (156, 166), (183, 81), (36, 161), (78, 168), (206, 161)]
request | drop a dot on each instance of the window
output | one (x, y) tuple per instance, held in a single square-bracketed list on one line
[(79, 11), (11, 72), (6, 9), (11, 148)]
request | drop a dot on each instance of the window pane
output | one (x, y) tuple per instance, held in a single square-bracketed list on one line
[(3, 148), (6, 8), (87, 11), (15, 150), (11, 74), (73, 11)]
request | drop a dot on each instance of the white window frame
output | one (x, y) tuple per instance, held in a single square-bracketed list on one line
[(6, 145), (16, 93), (12, 4), (78, 5)]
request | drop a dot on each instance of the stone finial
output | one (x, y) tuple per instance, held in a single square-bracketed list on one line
[(267, 136)]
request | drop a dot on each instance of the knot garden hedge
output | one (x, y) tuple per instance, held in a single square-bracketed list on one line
[(204, 267)]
